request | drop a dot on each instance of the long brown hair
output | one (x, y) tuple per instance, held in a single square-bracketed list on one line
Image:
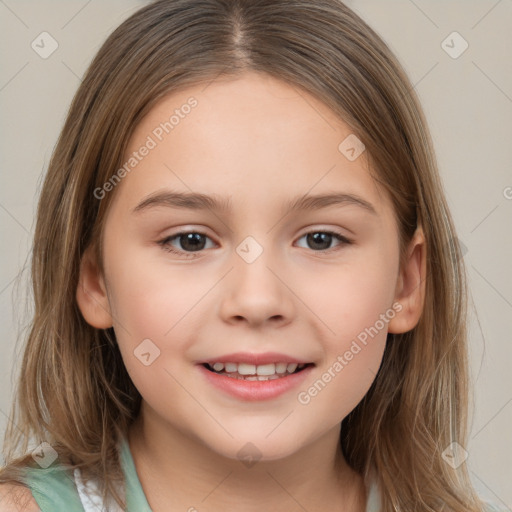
[(74, 391)]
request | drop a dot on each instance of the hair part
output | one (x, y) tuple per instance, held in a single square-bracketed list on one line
[(74, 391)]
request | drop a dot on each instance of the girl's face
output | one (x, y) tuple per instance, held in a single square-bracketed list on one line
[(255, 275)]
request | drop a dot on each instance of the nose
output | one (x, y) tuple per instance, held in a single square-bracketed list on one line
[(257, 294)]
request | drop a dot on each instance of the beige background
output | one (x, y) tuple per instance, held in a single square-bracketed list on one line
[(468, 103)]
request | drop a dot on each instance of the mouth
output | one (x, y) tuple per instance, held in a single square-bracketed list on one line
[(251, 372)]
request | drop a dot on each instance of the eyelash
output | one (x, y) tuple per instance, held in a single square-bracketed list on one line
[(165, 243)]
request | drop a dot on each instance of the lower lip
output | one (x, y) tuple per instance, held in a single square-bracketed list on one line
[(252, 390)]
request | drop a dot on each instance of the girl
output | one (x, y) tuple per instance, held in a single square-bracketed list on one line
[(248, 291)]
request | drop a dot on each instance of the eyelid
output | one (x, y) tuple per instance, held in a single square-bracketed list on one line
[(316, 228)]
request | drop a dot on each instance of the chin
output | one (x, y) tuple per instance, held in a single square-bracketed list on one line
[(250, 450)]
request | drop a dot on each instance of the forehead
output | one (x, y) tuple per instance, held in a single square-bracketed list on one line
[(253, 138)]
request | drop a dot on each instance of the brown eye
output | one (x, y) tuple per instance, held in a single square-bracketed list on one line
[(188, 242), (322, 240)]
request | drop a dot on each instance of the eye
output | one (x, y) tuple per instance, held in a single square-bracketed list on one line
[(190, 241), (321, 240)]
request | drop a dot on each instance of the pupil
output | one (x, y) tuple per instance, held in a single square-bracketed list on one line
[(194, 239), (316, 238)]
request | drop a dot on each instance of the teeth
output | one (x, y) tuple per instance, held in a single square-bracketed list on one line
[(246, 369), (231, 367), (292, 367), (256, 372), (281, 367), (266, 369), (251, 377)]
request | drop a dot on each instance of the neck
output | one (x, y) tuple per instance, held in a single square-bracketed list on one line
[(178, 472)]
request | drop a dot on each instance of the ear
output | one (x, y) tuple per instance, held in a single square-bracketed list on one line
[(91, 293), (410, 288)]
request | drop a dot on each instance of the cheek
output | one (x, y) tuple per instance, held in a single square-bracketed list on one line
[(352, 356), (149, 299), (355, 305), (350, 297), (151, 302)]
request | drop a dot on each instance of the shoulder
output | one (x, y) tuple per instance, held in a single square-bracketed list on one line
[(17, 498), (51, 489)]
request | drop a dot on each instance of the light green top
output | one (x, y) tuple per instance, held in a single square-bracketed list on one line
[(55, 489)]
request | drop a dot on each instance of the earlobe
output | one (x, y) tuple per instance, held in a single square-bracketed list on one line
[(410, 288), (91, 294)]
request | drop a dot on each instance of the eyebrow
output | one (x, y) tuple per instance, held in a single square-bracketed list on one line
[(198, 201)]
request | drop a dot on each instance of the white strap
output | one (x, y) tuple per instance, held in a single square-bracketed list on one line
[(90, 495), (373, 501)]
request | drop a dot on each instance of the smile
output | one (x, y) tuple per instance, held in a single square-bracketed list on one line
[(245, 383)]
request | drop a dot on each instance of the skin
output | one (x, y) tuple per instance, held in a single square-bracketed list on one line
[(16, 498), (260, 142)]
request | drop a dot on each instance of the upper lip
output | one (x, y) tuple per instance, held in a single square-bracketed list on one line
[(256, 359)]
